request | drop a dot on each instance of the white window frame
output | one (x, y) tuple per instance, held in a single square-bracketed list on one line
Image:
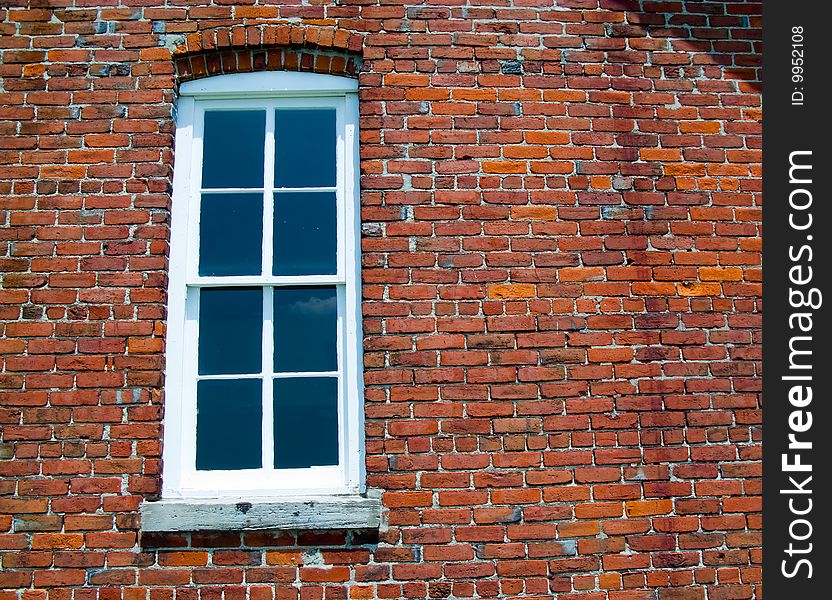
[(267, 90)]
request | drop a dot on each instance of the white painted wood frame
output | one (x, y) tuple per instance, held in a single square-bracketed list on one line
[(267, 91)]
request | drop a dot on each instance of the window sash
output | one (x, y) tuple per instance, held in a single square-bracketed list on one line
[(278, 479), (180, 476), (269, 189)]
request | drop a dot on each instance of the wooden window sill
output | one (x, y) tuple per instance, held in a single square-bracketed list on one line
[(234, 514)]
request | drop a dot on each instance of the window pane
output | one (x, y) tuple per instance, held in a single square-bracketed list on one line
[(231, 234), (305, 334), (305, 233), (229, 424), (305, 422), (233, 148), (304, 148), (230, 325)]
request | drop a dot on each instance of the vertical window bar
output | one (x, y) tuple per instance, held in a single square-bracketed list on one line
[(268, 385), (268, 293), (268, 193)]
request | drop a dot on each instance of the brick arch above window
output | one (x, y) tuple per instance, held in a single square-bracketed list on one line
[(283, 47)]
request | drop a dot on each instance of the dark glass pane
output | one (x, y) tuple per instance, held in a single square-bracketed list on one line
[(230, 325), (305, 329), (231, 234), (304, 148), (305, 422), (305, 233), (233, 148), (229, 424)]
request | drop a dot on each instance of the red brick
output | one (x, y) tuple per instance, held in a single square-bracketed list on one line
[(561, 269)]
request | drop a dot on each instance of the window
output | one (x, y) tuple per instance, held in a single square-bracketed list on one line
[(263, 387)]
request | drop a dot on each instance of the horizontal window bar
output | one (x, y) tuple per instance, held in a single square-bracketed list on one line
[(238, 190), (305, 189), (264, 281), (230, 190), (234, 376), (275, 375), (306, 374)]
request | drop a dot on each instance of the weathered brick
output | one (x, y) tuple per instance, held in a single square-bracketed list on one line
[(561, 278)]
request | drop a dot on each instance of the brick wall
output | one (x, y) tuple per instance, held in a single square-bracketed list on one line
[(561, 218)]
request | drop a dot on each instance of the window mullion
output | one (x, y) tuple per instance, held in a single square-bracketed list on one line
[(268, 385), (268, 194), (268, 293)]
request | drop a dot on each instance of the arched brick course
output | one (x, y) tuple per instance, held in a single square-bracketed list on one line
[(244, 48)]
